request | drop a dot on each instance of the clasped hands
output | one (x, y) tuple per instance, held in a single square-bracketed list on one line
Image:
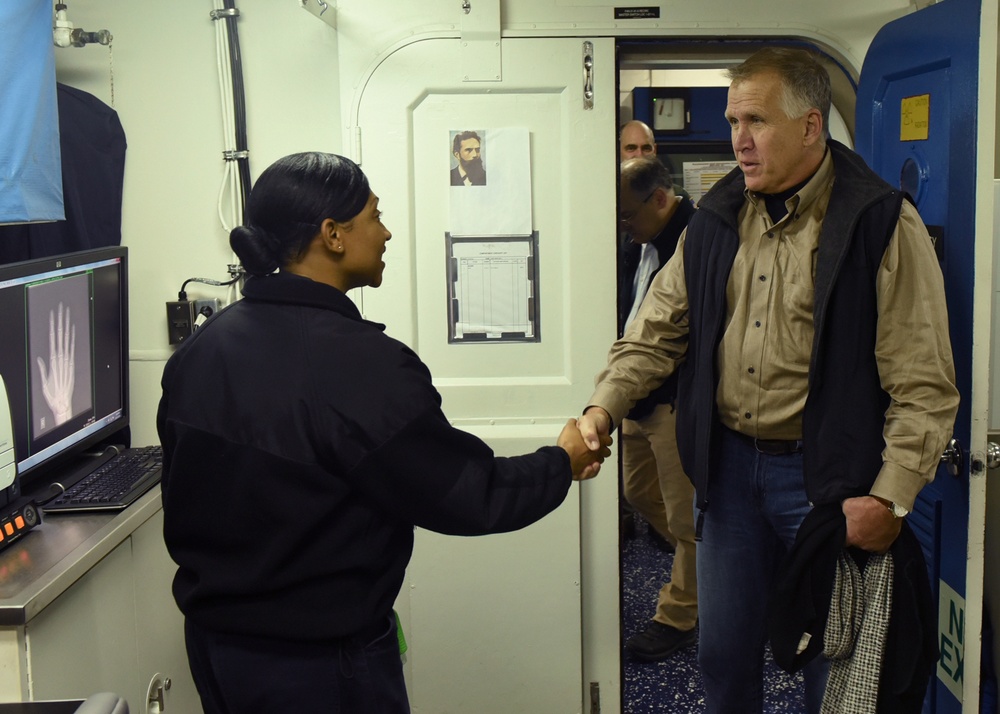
[(585, 454)]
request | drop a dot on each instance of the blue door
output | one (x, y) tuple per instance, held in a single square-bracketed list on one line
[(917, 127)]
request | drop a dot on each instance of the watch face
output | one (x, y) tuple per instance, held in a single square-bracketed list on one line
[(899, 511)]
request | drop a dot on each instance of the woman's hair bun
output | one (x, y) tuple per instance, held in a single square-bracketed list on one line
[(257, 251)]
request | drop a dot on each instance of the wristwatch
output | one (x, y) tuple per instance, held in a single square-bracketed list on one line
[(895, 509)]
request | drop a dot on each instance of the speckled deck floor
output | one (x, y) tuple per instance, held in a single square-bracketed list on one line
[(674, 685)]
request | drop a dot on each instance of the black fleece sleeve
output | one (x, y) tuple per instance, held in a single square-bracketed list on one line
[(446, 480)]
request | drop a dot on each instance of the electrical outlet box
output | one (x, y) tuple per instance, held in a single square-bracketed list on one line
[(206, 308), (180, 320)]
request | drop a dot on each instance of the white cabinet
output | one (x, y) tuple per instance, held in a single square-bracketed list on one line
[(116, 628), (85, 641), (159, 624)]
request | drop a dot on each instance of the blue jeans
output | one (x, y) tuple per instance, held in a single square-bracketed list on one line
[(756, 504), (245, 675)]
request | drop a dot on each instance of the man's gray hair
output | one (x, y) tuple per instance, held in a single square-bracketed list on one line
[(805, 82)]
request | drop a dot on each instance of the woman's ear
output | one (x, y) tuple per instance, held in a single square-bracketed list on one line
[(330, 233)]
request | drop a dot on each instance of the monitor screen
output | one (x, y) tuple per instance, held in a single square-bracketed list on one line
[(64, 355)]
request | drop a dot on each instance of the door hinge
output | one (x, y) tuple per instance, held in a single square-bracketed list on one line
[(481, 58), (595, 698)]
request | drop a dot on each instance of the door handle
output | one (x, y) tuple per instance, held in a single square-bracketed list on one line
[(992, 454), (953, 457), (156, 694)]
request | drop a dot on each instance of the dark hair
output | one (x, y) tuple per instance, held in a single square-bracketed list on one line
[(805, 83), (288, 203), (645, 174), (456, 145)]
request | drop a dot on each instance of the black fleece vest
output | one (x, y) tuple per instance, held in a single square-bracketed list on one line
[(845, 408)]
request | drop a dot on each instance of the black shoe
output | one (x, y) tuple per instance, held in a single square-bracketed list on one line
[(659, 641), (628, 525)]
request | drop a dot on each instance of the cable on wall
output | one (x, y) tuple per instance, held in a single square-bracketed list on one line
[(235, 185), (184, 316)]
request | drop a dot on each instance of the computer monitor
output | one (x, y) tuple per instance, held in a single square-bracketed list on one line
[(64, 356)]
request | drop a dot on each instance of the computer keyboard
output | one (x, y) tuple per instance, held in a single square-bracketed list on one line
[(113, 485)]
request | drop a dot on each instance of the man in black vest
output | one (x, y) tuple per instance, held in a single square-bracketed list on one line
[(805, 310), (653, 481)]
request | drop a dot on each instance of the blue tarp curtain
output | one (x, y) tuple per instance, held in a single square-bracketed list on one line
[(30, 169)]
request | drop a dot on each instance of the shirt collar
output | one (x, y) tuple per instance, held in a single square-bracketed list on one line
[(806, 196)]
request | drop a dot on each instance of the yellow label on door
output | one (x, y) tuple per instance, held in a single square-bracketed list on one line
[(915, 118), (951, 639)]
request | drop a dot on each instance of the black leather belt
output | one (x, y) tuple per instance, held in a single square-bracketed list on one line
[(772, 447)]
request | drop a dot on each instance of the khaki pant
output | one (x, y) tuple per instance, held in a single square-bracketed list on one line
[(656, 486)]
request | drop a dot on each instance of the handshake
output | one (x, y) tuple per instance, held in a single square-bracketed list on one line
[(587, 441)]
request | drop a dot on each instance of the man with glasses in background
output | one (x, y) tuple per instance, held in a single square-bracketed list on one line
[(653, 216)]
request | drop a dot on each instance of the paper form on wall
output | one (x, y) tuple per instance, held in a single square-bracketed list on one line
[(699, 176), (492, 289)]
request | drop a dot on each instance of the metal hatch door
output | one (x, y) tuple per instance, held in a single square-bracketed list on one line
[(495, 622), (920, 126)]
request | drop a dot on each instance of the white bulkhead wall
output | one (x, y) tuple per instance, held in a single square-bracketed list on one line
[(305, 80), (160, 75)]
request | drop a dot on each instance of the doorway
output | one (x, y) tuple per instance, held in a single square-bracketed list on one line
[(679, 90)]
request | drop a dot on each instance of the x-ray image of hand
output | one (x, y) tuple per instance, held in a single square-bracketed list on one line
[(57, 380)]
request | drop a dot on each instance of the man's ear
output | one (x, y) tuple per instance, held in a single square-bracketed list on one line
[(662, 197), (813, 127)]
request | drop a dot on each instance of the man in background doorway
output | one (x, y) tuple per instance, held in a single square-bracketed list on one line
[(467, 149), (636, 140), (653, 217)]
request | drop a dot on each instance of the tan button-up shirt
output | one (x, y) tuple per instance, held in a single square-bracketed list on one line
[(763, 357)]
